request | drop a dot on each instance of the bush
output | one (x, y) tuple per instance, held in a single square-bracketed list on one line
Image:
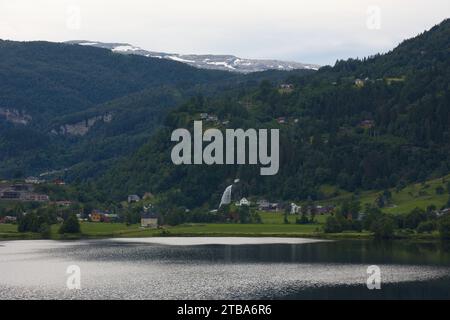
[(244, 214), (45, 231), (383, 227), (337, 224), (303, 219), (444, 227), (70, 225), (426, 227), (29, 223), (357, 226), (332, 225), (372, 215), (440, 190), (414, 218)]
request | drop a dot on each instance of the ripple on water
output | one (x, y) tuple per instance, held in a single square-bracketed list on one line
[(36, 269)]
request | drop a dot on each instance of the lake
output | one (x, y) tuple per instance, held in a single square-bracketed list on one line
[(223, 268)]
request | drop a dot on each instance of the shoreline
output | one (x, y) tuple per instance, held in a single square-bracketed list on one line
[(317, 236)]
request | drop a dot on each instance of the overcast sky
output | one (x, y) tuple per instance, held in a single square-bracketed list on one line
[(318, 31)]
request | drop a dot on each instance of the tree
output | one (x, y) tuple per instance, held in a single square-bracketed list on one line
[(426, 227), (414, 218), (312, 211), (383, 227), (286, 215), (440, 190), (244, 214), (45, 231), (29, 223), (332, 225), (444, 227), (70, 225)]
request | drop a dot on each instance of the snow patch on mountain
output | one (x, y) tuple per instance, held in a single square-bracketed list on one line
[(216, 62)]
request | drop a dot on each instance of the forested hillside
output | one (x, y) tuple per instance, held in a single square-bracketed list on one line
[(375, 123), (82, 108)]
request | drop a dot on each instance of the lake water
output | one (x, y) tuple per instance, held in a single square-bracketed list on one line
[(223, 268)]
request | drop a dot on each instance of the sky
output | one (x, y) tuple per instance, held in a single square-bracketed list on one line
[(318, 31)]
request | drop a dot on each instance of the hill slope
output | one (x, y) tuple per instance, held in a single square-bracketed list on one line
[(362, 124), (65, 106)]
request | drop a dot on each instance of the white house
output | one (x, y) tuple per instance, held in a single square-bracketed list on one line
[(133, 198), (295, 208), (243, 202)]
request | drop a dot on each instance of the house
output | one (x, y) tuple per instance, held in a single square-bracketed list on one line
[(359, 83), (281, 120), (360, 216), (133, 198), (21, 192), (36, 197), (286, 88), (203, 116), (443, 212), (147, 196), (8, 219), (212, 118), (149, 220), (10, 195), (21, 187), (276, 207), (33, 180), (97, 216), (263, 205), (63, 203), (295, 209), (324, 209), (110, 217), (243, 202), (367, 124), (59, 182)]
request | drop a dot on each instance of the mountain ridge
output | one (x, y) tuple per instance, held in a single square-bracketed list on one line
[(223, 62)]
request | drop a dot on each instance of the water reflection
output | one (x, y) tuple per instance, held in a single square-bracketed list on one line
[(122, 269)]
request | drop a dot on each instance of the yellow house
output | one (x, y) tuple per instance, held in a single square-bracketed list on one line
[(149, 221)]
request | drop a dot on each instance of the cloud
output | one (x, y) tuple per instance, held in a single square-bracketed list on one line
[(318, 31)]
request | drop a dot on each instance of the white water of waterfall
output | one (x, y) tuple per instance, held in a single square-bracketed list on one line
[(226, 197)]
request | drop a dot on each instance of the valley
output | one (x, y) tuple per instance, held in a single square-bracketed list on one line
[(366, 138)]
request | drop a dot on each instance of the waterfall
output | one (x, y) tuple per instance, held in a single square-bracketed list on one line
[(226, 197)]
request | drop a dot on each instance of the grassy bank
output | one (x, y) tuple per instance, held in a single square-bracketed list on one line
[(273, 226)]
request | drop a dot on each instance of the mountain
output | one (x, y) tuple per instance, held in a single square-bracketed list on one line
[(81, 107), (369, 124), (206, 61)]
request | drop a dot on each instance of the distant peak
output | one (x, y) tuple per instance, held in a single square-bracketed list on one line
[(203, 61)]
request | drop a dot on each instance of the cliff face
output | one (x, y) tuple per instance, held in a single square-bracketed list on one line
[(81, 128), (15, 116)]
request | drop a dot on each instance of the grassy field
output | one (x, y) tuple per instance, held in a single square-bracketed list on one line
[(419, 195), (273, 225)]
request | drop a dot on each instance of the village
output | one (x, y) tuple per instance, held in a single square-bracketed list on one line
[(28, 193), (416, 207)]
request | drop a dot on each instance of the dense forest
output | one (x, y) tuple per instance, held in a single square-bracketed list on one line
[(379, 122), (48, 91)]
